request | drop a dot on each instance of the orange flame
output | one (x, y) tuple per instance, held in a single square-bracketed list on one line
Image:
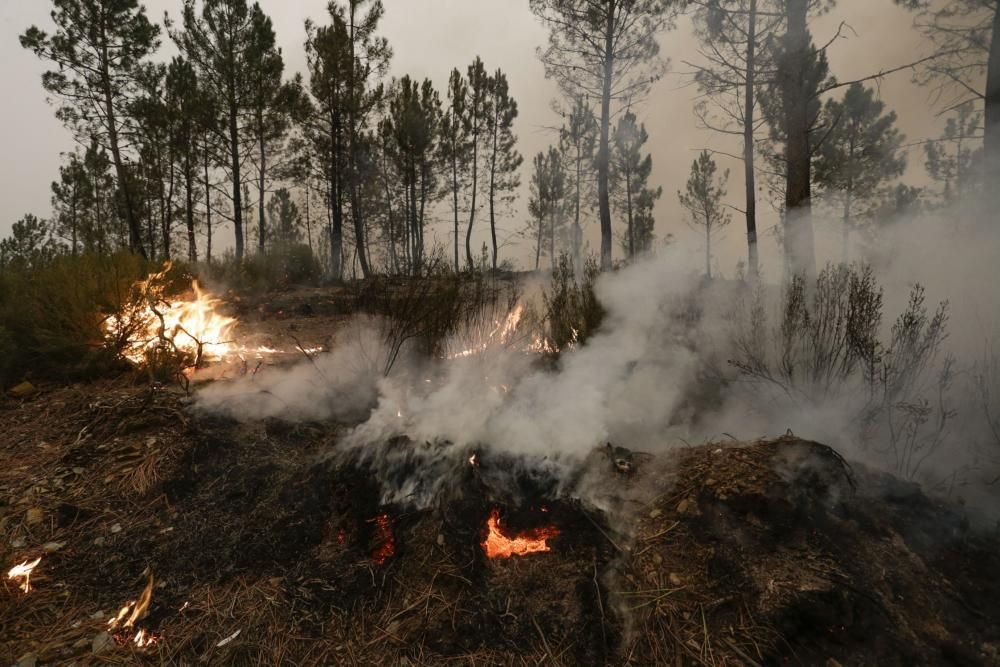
[(498, 545), (23, 571), (193, 326), (386, 539), (129, 615)]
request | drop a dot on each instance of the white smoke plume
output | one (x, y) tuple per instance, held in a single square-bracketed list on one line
[(654, 375)]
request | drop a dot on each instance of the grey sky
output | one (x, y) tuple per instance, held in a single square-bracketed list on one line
[(430, 37)]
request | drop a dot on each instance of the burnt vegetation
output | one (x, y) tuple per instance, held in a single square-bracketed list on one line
[(277, 389)]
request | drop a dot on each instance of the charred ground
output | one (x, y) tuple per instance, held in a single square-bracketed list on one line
[(769, 552)]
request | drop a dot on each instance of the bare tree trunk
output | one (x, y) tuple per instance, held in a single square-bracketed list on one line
[(577, 229), (604, 157), (208, 210), (493, 185), (538, 244), (261, 186), (189, 209), (234, 157), (454, 194), (748, 143), (475, 188), (631, 225), (799, 241), (992, 117)]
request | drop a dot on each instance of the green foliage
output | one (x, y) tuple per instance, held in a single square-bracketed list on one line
[(51, 314), (703, 200), (547, 204), (630, 172), (572, 310), (281, 267), (860, 153)]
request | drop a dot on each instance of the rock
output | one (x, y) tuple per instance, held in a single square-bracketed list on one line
[(18, 542), (99, 542), (27, 660), (655, 513), (117, 528), (440, 540), (102, 642), (34, 515), (675, 579), (688, 507), (52, 547), (98, 615), (23, 390)]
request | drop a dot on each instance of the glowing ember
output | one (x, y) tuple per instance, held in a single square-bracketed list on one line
[(385, 538), (498, 545), (472, 460), (131, 613), (193, 326), (23, 571)]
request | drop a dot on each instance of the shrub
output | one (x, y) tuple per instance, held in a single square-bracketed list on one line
[(825, 346), (572, 310), (51, 315)]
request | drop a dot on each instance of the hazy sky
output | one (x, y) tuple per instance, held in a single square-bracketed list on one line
[(430, 37)]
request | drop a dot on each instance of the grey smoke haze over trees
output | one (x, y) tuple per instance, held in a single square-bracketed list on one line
[(506, 37)]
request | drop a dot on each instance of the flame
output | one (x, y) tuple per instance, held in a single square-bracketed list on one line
[(127, 617), (193, 326), (498, 545), (23, 571), (386, 539), (502, 334)]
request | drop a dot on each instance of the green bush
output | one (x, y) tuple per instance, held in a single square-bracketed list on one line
[(51, 315), (571, 306)]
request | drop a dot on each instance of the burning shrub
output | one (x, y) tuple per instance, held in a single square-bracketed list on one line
[(427, 310)]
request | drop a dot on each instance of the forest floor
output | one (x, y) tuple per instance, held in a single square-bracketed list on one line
[(252, 546)]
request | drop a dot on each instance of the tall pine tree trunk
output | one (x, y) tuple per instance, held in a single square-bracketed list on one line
[(234, 157), (208, 210), (454, 194), (189, 209), (992, 117), (475, 188), (604, 157), (261, 186), (750, 96), (493, 185), (799, 241)]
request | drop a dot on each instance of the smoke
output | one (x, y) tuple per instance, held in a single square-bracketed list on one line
[(655, 375)]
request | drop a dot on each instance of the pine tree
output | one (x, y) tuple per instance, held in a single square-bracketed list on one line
[(860, 152), (98, 49), (605, 50), (630, 172), (703, 200), (414, 123), (504, 159), (216, 41), (547, 204), (369, 57), (477, 114), (70, 202), (578, 140), (456, 146), (953, 159)]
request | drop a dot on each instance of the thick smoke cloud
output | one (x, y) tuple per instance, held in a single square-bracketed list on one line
[(654, 376)]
